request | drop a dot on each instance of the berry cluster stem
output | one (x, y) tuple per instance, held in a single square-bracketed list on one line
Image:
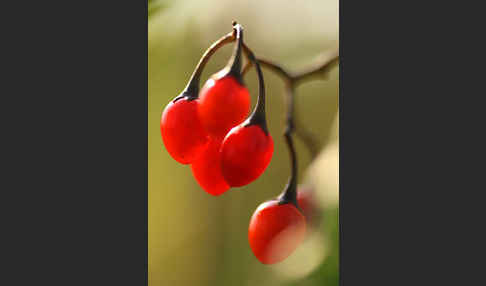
[(234, 65), (292, 80), (290, 193), (193, 84), (315, 70), (318, 69), (258, 116)]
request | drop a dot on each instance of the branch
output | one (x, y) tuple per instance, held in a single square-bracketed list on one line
[(319, 69)]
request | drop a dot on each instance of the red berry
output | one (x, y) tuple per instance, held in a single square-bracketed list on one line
[(275, 231), (245, 154), (182, 132), (224, 103), (207, 170)]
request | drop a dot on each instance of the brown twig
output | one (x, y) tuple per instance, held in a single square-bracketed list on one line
[(319, 69)]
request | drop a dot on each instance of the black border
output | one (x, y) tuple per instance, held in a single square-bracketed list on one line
[(403, 111), (76, 162)]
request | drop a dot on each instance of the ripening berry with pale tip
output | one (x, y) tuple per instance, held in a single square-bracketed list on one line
[(275, 232)]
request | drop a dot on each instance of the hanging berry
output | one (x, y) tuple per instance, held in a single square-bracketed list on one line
[(276, 230), (183, 134), (278, 226), (248, 148), (224, 99), (207, 170), (246, 152)]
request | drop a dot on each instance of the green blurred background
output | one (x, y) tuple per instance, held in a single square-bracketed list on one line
[(195, 238)]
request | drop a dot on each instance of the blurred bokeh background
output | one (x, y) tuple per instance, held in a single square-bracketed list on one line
[(193, 237)]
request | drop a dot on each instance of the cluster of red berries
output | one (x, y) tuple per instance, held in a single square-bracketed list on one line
[(208, 130)]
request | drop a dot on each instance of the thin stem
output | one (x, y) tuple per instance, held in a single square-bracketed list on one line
[(234, 64), (280, 71), (290, 193), (307, 138), (323, 65), (320, 68), (290, 88), (291, 80), (258, 116), (193, 85)]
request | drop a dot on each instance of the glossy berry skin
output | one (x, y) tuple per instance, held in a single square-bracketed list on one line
[(245, 154), (207, 170), (224, 103), (275, 231), (182, 133)]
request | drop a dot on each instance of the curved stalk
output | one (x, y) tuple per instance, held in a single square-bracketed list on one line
[(234, 64), (192, 88), (258, 116), (290, 193)]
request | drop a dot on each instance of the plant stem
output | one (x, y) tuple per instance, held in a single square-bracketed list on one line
[(291, 80), (290, 193), (258, 116), (234, 64), (321, 68), (193, 85)]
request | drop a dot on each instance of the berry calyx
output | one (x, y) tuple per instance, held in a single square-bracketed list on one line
[(182, 133), (207, 170), (275, 231), (225, 101)]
